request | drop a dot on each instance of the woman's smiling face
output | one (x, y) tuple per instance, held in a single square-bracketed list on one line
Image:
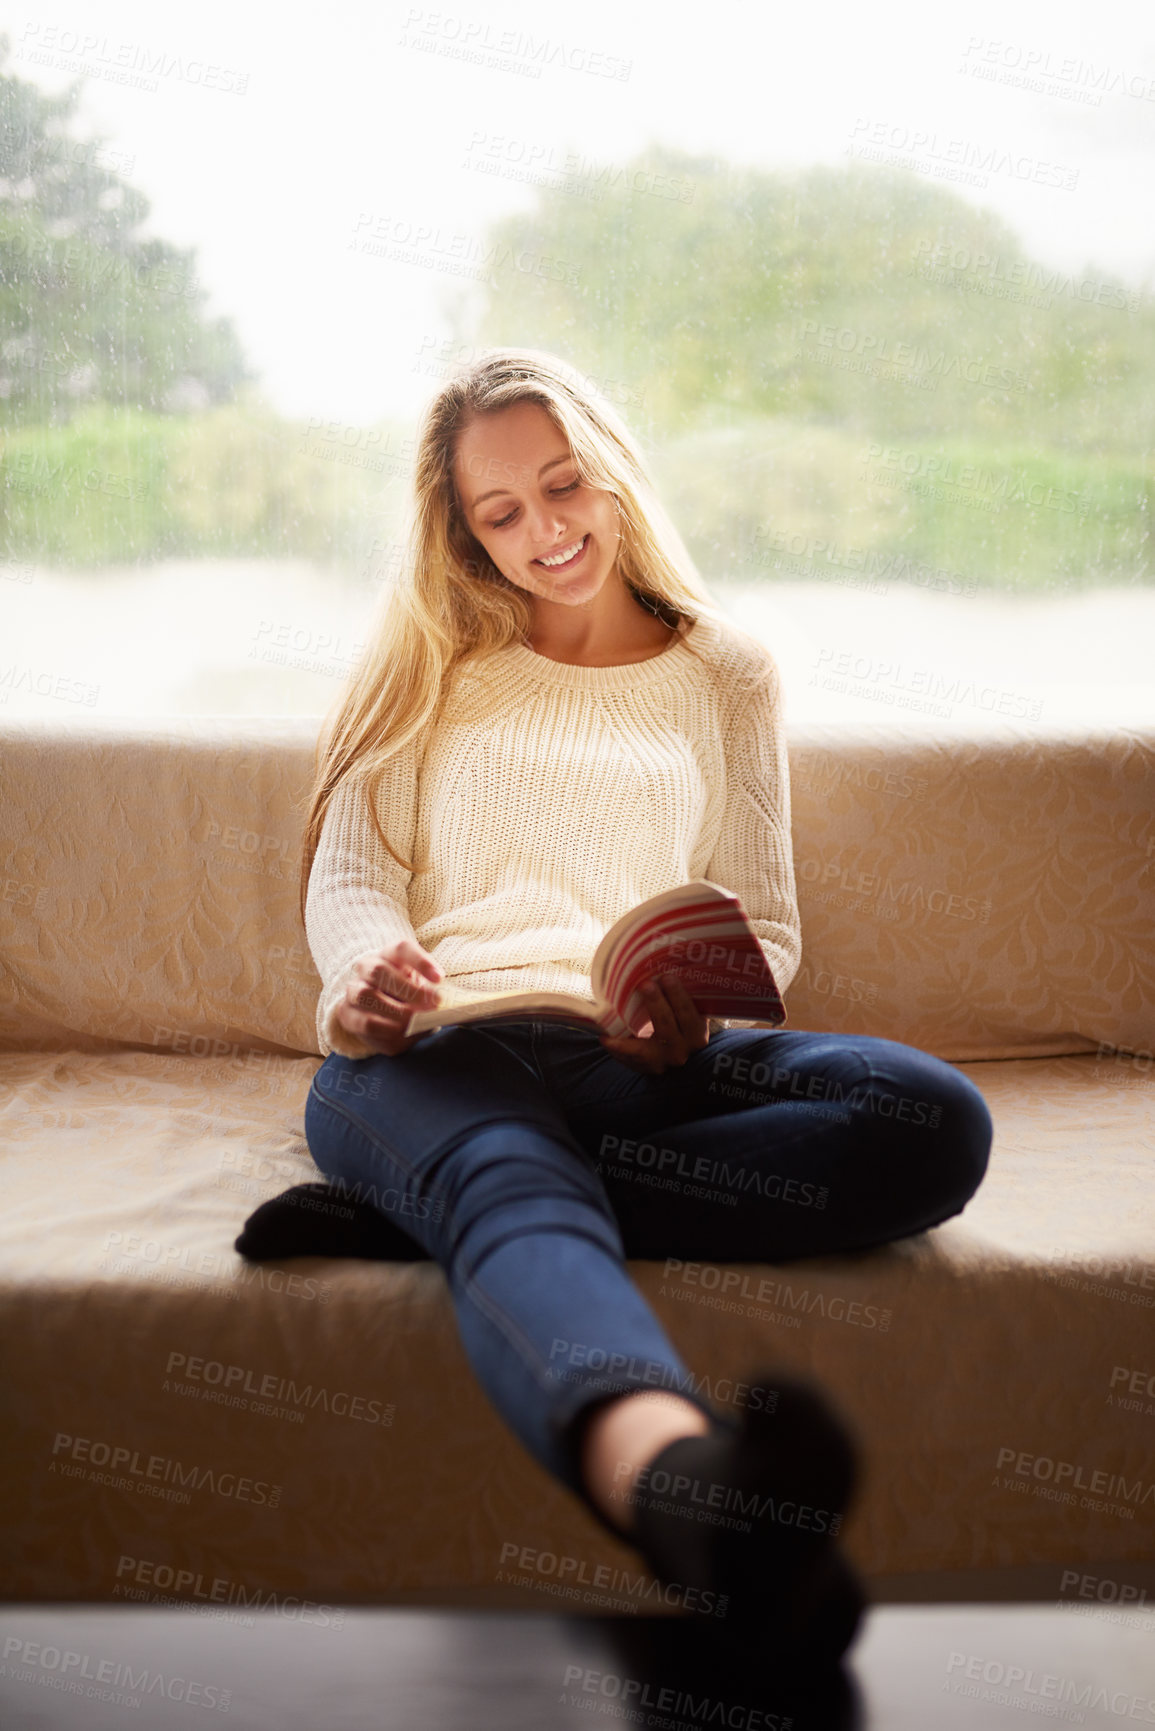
[(524, 501)]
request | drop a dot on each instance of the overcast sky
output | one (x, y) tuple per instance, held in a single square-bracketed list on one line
[(275, 137)]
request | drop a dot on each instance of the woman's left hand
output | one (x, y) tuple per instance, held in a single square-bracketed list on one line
[(677, 1028)]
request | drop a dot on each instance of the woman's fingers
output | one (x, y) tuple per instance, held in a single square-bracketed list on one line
[(374, 1022), (410, 955), (636, 1054), (675, 1018), (393, 982), (363, 996), (396, 983), (678, 1028), (387, 987)]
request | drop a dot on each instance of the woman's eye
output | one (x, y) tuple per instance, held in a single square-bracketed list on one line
[(503, 522)]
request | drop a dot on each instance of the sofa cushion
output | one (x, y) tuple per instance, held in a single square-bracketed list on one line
[(314, 1428), (978, 898)]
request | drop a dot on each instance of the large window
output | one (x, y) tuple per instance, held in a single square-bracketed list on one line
[(875, 289)]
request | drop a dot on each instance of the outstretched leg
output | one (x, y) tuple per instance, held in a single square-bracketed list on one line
[(462, 1145), (463, 1142)]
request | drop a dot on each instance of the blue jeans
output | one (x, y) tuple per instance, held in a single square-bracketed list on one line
[(529, 1162)]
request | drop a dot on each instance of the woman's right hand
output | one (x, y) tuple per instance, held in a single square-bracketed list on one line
[(389, 984)]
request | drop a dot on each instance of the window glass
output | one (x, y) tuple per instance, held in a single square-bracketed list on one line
[(875, 291)]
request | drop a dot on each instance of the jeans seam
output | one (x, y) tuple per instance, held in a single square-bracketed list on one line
[(386, 1147), (531, 1064), (496, 1313), (505, 1325), (376, 1140), (412, 1173)]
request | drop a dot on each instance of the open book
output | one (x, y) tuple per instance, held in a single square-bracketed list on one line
[(698, 931)]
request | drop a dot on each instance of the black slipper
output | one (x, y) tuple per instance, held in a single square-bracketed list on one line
[(316, 1220)]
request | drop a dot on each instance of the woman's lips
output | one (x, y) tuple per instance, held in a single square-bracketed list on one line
[(570, 563)]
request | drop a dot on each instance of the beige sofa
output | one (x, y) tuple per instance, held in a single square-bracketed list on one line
[(182, 1422)]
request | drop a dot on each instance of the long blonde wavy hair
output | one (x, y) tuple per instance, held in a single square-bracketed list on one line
[(450, 603)]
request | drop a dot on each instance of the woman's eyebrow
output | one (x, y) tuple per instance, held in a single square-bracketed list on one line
[(552, 464)]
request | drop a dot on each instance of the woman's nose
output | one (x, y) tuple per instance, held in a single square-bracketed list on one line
[(546, 521)]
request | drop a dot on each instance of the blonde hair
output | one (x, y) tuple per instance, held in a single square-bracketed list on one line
[(451, 603)]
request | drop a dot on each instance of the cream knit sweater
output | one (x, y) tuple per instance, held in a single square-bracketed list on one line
[(547, 801)]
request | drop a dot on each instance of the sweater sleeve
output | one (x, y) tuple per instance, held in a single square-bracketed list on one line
[(754, 855), (357, 899)]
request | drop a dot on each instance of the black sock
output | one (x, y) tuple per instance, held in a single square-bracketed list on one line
[(749, 1513), (316, 1220)]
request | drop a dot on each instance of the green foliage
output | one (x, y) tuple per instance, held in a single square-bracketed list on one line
[(764, 330), (855, 295), (840, 373), (795, 501), (88, 492), (124, 485), (90, 310)]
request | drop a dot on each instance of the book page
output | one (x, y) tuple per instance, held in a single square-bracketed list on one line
[(449, 995), (509, 1006)]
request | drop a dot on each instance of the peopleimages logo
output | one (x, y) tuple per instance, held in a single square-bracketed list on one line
[(600, 1584), (968, 1672), (1066, 1477), (896, 352), (147, 1577), (256, 1391), (955, 156), (735, 1284), (997, 486), (711, 1176), (995, 272), (656, 1374), (105, 1678), (707, 1495), (663, 1703), (1102, 1588), (120, 1459)]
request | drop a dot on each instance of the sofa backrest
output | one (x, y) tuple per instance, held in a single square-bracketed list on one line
[(978, 897)]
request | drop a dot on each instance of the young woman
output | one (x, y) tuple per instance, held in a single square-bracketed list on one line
[(553, 722)]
